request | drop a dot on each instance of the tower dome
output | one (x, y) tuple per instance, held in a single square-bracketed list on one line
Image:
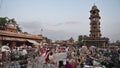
[(10, 26), (94, 7)]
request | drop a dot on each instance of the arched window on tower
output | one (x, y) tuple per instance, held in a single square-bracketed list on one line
[(93, 36), (94, 27)]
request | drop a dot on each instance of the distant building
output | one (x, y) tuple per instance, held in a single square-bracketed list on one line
[(44, 42), (14, 38), (95, 38), (11, 28), (70, 41)]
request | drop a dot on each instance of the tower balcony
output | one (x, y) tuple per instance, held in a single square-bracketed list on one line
[(95, 31), (94, 16)]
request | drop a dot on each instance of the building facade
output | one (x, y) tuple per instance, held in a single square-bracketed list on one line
[(14, 38), (95, 37)]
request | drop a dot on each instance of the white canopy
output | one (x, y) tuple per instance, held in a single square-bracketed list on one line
[(34, 42), (5, 48)]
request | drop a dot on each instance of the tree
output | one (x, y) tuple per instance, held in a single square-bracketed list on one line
[(79, 42), (17, 25), (117, 43), (80, 38), (47, 40), (3, 23), (5, 20), (25, 32)]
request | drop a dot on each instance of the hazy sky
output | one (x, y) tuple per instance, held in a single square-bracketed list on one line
[(62, 19)]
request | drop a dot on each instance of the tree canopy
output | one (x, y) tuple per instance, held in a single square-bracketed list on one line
[(5, 20), (79, 41), (3, 23)]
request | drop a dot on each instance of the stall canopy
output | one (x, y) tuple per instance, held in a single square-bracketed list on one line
[(33, 42)]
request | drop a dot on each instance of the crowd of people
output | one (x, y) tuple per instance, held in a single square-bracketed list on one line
[(9, 57), (84, 57), (93, 57), (76, 57)]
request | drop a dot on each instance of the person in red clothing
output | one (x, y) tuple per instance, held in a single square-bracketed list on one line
[(42, 51), (47, 57)]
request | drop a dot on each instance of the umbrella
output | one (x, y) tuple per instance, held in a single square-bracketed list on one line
[(92, 47), (5, 48)]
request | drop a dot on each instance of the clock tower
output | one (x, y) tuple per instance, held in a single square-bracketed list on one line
[(95, 22), (95, 38)]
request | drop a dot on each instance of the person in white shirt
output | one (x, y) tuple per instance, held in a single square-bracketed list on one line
[(52, 62), (24, 52), (51, 57)]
